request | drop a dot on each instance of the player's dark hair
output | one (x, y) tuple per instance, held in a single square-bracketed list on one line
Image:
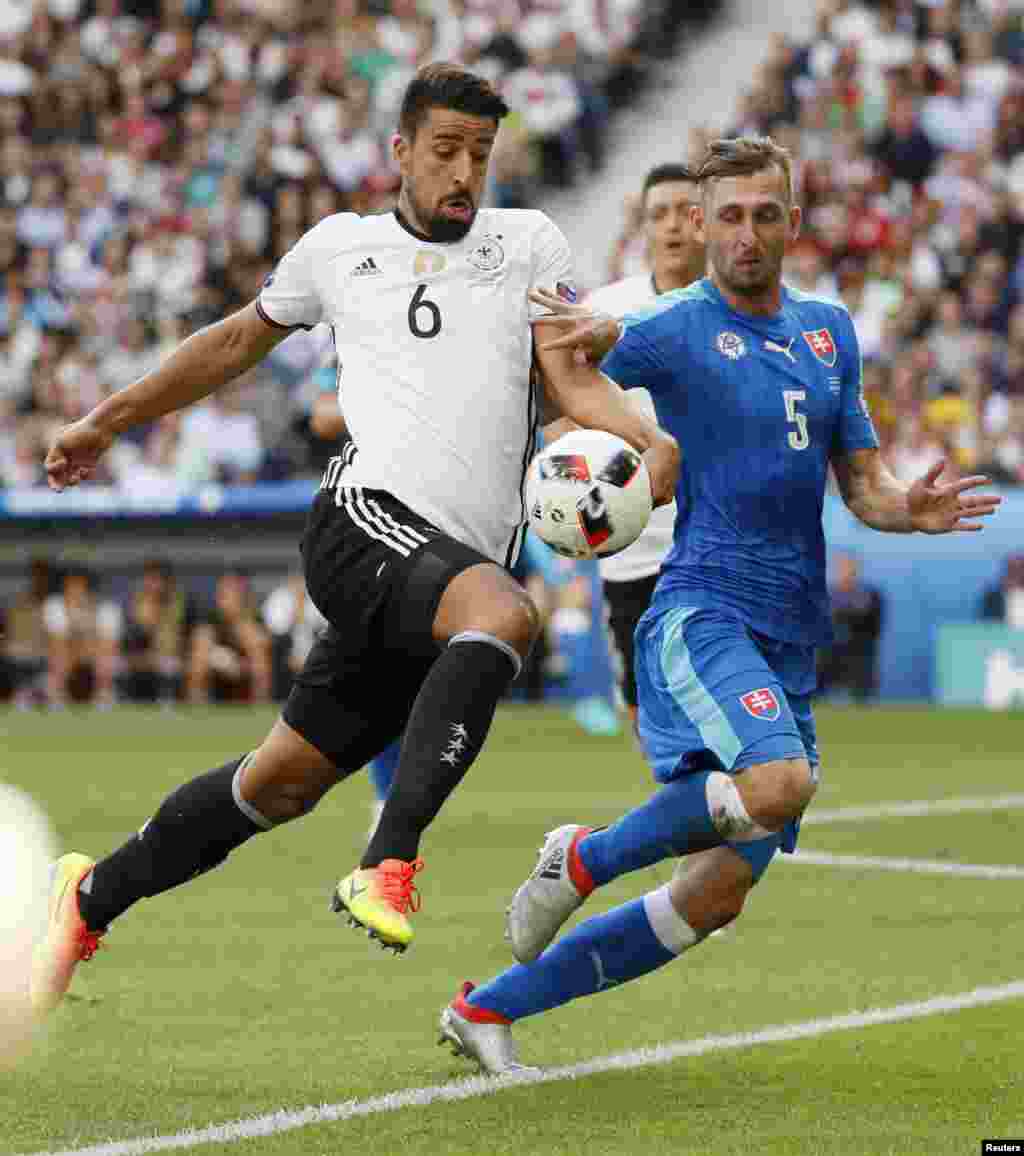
[(662, 174), (447, 86), (744, 155)]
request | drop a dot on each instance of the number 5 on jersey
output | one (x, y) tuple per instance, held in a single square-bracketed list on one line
[(421, 309), (798, 438)]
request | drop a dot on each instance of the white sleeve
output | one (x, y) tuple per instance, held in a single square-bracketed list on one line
[(552, 264), (55, 617), (109, 621), (290, 296)]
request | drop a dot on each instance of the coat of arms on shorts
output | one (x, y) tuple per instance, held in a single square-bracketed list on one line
[(730, 345), (761, 704), (488, 255), (821, 345)]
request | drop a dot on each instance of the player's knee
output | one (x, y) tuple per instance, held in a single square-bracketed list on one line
[(512, 617), (774, 794), (797, 784), (282, 802)]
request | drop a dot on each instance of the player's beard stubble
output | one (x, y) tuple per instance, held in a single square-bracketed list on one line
[(746, 277), (437, 225)]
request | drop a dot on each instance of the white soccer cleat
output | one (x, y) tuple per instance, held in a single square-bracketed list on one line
[(480, 1035), (558, 886)]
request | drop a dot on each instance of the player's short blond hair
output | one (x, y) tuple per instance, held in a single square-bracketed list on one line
[(742, 156)]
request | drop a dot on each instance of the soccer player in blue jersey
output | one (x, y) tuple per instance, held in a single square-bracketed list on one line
[(761, 387)]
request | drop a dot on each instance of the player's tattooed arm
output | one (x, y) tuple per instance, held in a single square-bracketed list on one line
[(592, 400), (198, 367), (927, 505)]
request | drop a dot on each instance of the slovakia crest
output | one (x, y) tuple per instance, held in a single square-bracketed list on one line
[(567, 291), (821, 345), (730, 345), (761, 704)]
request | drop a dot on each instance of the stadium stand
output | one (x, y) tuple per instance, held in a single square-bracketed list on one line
[(157, 159)]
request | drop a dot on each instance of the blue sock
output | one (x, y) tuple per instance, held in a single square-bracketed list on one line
[(382, 769), (675, 821), (599, 953)]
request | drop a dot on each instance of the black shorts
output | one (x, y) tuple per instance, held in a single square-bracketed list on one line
[(627, 602), (376, 571)]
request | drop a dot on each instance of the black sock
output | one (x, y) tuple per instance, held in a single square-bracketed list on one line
[(446, 729), (194, 830)]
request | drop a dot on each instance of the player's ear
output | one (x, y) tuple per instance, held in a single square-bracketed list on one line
[(400, 149), (697, 222)]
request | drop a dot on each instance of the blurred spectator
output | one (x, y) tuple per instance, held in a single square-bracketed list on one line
[(158, 620), (221, 440), (23, 643), (851, 661), (83, 638), (1004, 602), (629, 250), (230, 653), (294, 624), (547, 98)]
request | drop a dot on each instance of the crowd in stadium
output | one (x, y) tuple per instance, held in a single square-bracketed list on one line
[(157, 159), (154, 168), (152, 171)]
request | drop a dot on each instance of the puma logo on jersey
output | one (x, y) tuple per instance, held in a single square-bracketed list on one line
[(786, 350), (365, 268)]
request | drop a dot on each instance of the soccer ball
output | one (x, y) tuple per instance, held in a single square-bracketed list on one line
[(588, 494), (27, 849)]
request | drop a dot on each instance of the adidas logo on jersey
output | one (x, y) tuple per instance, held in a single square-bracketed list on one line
[(552, 866), (365, 268)]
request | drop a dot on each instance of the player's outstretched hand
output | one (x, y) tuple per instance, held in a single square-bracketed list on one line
[(939, 508), (587, 332), (74, 453), (662, 460)]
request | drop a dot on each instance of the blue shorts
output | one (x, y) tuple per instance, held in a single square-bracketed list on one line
[(715, 695)]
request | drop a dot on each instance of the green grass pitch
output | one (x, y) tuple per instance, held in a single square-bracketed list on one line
[(241, 994)]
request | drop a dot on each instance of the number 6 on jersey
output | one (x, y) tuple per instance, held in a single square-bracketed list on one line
[(416, 305)]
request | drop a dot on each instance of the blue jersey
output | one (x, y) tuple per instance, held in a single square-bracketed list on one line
[(759, 405)]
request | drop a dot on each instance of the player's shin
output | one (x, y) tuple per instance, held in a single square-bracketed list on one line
[(195, 829), (623, 944), (446, 730)]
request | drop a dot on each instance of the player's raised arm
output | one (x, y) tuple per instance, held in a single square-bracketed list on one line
[(594, 401), (575, 327), (927, 505), (202, 364), (872, 493)]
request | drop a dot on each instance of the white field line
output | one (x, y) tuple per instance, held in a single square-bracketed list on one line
[(914, 808), (917, 866), (287, 1121)]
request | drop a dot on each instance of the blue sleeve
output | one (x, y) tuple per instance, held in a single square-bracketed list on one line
[(637, 361), (855, 429)]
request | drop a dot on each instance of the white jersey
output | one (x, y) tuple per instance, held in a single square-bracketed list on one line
[(435, 353), (647, 553)]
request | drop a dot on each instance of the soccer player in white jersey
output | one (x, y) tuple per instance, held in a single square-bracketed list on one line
[(406, 542), (676, 258)]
